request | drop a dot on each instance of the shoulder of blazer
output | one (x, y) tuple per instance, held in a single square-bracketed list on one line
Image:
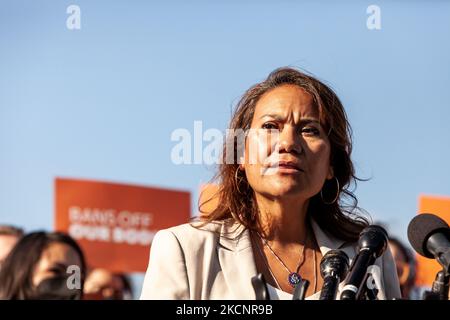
[(193, 236)]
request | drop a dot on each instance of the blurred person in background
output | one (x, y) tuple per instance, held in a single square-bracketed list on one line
[(406, 268), (9, 235), (43, 265), (102, 284)]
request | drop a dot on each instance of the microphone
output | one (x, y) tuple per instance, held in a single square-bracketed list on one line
[(260, 286), (429, 235), (371, 244), (333, 268), (300, 290)]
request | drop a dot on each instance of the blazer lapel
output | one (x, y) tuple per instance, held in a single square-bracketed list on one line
[(236, 260), (327, 242)]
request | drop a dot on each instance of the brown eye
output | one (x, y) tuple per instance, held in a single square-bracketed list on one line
[(270, 126), (310, 131)]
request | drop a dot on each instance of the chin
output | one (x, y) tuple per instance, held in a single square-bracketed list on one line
[(286, 190), (290, 189)]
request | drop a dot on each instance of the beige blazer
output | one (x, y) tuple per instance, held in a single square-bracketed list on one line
[(217, 263)]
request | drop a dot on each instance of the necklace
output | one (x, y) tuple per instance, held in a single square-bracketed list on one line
[(294, 277), (270, 269), (267, 265)]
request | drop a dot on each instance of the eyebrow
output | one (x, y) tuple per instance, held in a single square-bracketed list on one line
[(281, 118)]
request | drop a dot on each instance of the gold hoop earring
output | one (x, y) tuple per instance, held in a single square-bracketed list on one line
[(337, 193), (236, 181)]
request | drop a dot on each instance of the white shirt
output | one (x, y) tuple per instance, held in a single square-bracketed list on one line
[(277, 294)]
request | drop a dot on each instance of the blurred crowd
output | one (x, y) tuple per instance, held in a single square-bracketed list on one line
[(51, 265)]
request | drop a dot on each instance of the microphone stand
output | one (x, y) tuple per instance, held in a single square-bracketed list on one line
[(440, 288), (366, 291), (351, 292)]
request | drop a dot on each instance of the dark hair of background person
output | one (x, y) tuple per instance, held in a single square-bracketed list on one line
[(127, 287), (236, 197), (17, 270), (407, 286), (9, 230)]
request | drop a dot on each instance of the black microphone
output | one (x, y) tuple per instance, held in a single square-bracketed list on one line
[(371, 244), (333, 268), (300, 290), (429, 235), (260, 286)]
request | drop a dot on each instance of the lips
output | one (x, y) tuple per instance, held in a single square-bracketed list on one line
[(288, 166)]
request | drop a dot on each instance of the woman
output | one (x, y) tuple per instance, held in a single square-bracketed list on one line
[(406, 269), (102, 284), (280, 203), (43, 266)]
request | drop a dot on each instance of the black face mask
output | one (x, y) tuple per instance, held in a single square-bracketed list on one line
[(55, 288)]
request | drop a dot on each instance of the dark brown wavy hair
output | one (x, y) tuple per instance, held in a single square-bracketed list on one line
[(235, 197)]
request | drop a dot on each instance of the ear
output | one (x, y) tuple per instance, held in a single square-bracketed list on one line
[(330, 174), (241, 164), (405, 274)]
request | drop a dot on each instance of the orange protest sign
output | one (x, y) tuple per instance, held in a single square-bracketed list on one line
[(427, 268), (115, 223)]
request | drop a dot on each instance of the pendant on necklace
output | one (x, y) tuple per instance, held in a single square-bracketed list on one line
[(294, 279)]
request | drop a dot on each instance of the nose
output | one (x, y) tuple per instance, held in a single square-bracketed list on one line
[(290, 141)]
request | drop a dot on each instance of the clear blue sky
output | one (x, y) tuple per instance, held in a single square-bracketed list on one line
[(101, 102)]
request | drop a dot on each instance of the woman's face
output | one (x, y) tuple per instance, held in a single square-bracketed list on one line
[(54, 261), (293, 150), (103, 284)]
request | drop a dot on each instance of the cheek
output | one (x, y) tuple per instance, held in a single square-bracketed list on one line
[(320, 159), (39, 273), (259, 146), (75, 262)]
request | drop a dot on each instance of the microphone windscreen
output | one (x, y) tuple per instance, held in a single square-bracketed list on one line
[(373, 237), (334, 261), (421, 228)]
